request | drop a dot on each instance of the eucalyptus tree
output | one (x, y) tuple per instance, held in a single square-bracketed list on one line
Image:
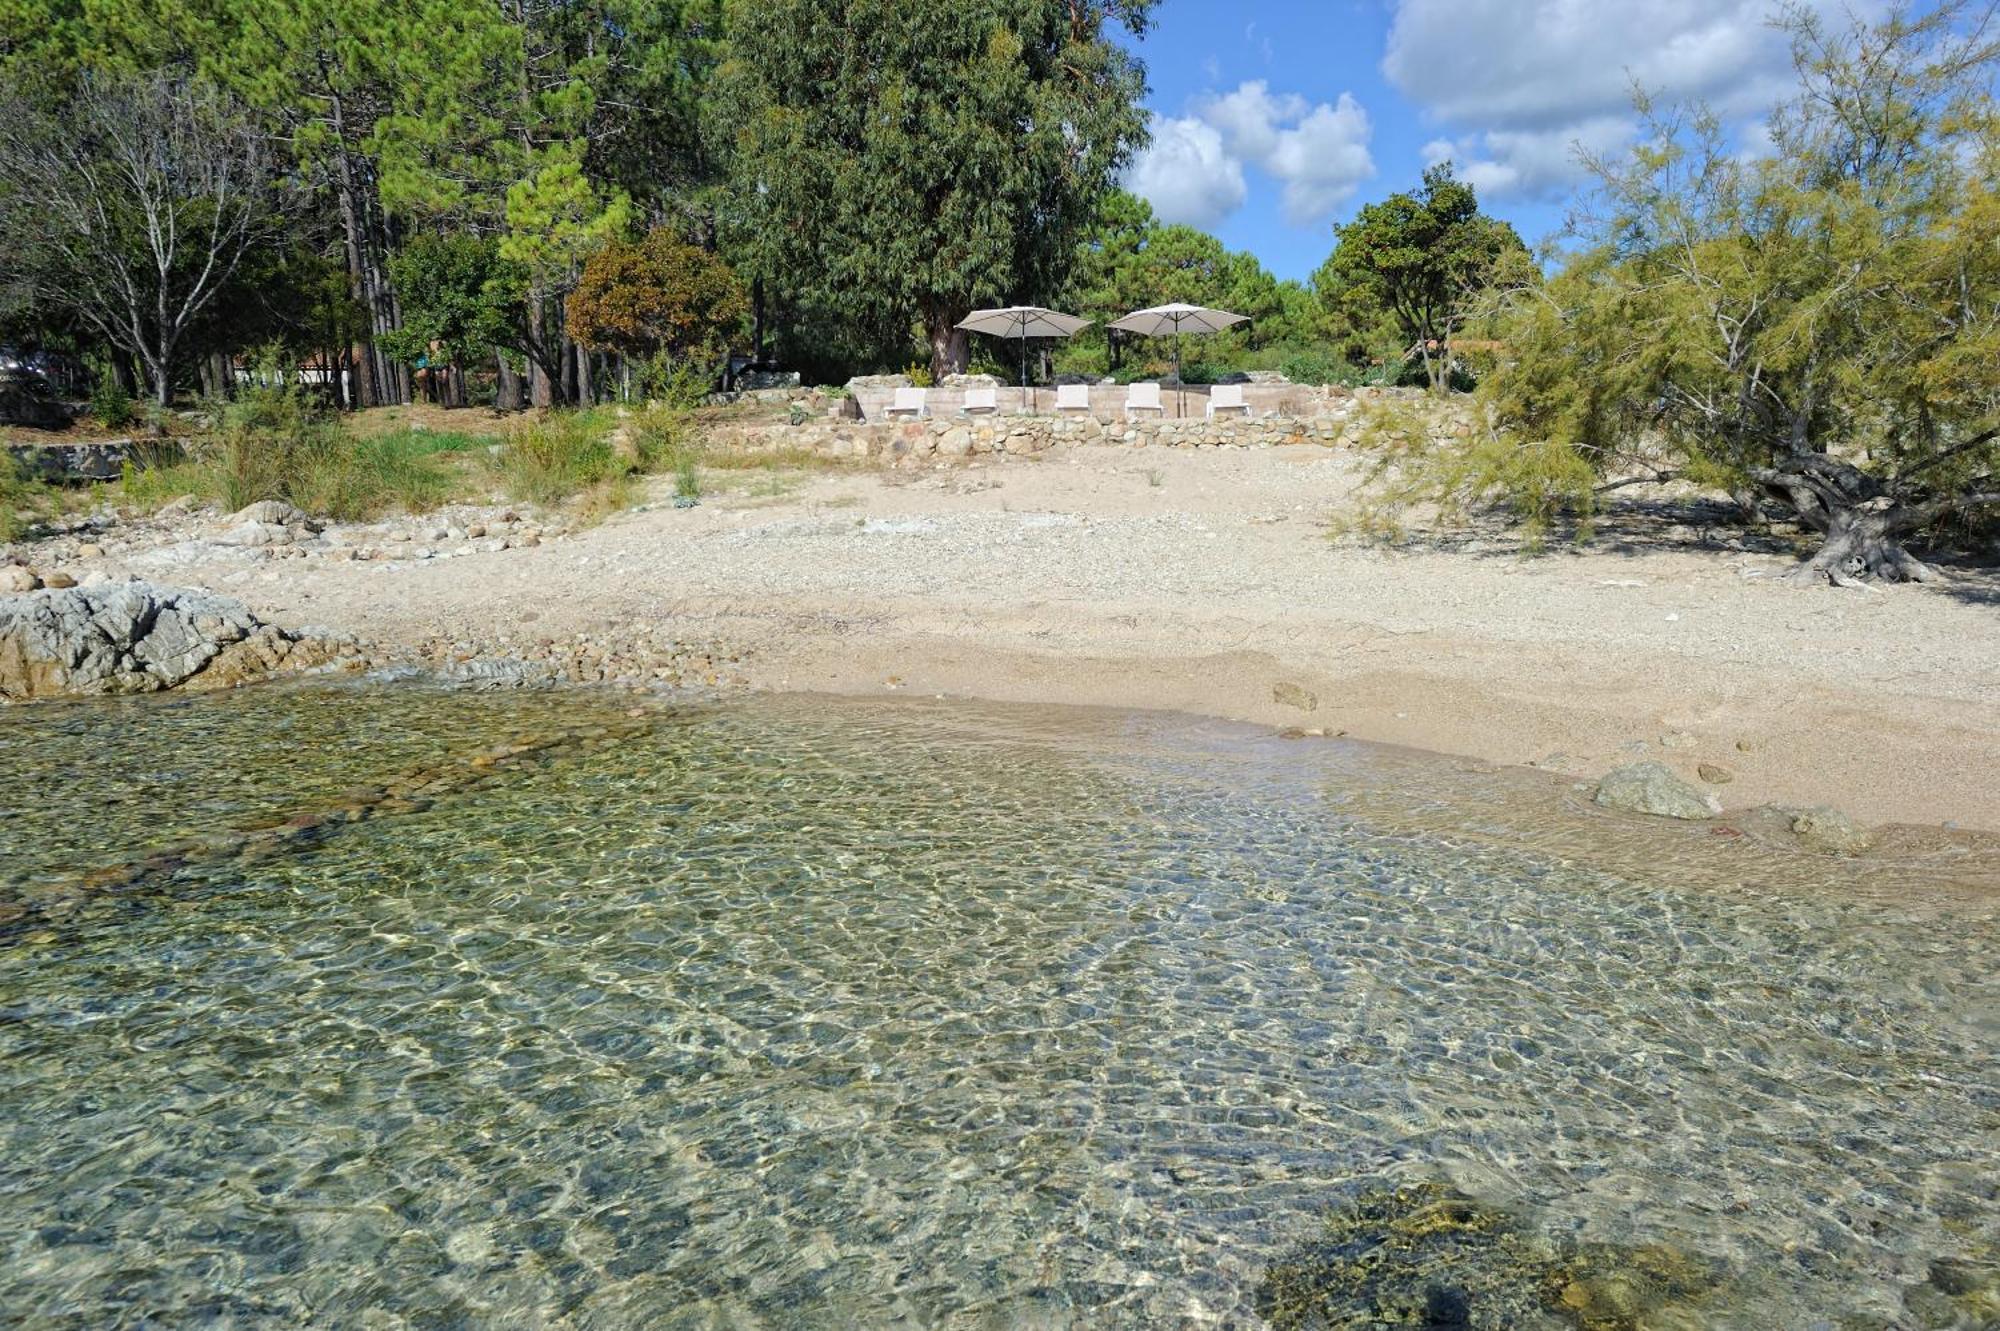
[(904, 163), (1816, 329), (132, 205)]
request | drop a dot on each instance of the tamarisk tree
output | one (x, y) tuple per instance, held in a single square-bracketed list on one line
[(1817, 329)]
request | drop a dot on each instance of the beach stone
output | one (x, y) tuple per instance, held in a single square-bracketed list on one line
[(15, 578), (90, 550), (253, 534), (499, 672), (135, 637), (273, 512), (1828, 829), (58, 580), (1653, 788), (1287, 694), (1715, 774)]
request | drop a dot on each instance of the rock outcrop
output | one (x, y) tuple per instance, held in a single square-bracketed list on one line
[(135, 637), (1653, 788)]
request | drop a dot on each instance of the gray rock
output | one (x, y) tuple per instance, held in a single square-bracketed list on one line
[(498, 672), (1653, 788), (275, 512), (1828, 829), (135, 637), (256, 534)]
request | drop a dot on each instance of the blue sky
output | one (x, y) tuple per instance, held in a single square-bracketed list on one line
[(1274, 119)]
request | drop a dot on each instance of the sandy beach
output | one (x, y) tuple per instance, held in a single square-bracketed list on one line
[(1206, 581)]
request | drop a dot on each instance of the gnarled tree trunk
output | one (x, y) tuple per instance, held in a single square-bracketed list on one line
[(1863, 521)]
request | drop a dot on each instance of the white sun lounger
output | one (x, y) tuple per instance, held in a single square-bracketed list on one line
[(1072, 397), (1143, 397), (1226, 397), (909, 402), (981, 401)]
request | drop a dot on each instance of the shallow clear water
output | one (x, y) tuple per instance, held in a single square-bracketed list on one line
[(808, 1014)]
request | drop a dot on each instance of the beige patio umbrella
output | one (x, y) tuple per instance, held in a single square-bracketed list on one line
[(1021, 322), (1173, 320)]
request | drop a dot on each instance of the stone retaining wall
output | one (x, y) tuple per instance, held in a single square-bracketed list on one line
[(872, 397), (99, 461), (1337, 418)]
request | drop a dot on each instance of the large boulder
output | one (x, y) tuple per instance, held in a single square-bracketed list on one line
[(1653, 788), (135, 637)]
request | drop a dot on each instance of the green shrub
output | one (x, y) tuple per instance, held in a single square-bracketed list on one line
[(267, 443), (110, 403), (20, 497), (280, 443), (408, 469), (680, 383), (551, 459), (687, 478), (1314, 366)]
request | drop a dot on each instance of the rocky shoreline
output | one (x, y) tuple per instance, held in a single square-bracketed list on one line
[(137, 637)]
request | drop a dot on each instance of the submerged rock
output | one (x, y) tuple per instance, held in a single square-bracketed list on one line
[(1830, 830), (499, 672), (135, 637), (1653, 788), (1425, 1255)]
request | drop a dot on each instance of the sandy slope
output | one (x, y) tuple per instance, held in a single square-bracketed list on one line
[(1205, 582)]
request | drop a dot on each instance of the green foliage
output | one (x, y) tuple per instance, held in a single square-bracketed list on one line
[(1423, 259), (110, 404), (22, 498), (1128, 261), (1313, 365), (687, 478), (279, 442), (568, 453), (411, 471), (266, 444), (459, 300), (908, 163), (1817, 329)]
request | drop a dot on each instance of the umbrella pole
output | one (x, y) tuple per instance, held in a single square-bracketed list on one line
[(1180, 385)]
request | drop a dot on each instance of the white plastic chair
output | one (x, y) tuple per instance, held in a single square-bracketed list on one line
[(981, 401), (1143, 397), (1072, 397), (1226, 397), (910, 402)]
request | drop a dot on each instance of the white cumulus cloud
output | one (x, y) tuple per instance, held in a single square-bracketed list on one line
[(1524, 83), (1194, 170), (1187, 175)]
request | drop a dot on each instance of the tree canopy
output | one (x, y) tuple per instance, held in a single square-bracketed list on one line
[(913, 162), (658, 297), (1816, 328), (1422, 257)]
